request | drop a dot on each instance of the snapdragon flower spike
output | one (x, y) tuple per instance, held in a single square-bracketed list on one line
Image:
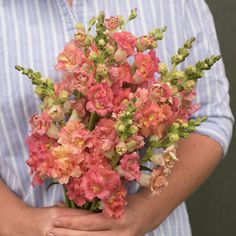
[(44, 86), (183, 52), (124, 126)]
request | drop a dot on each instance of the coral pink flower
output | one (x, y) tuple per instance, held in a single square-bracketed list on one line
[(126, 41), (114, 205), (145, 42), (160, 92), (187, 108), (120, 74), (75, 192), (100, 98), (94, 159), (56, 113), (40, 123), (112, 22), (121, 98), (79, 106), (74, 136), (154, 119), (130, 166), (126, 44), (69, 58), (62, 86), (99, 182), (158, 180), (104, 136), (41, 159), (66, 164), (81, 82), (147, 65)]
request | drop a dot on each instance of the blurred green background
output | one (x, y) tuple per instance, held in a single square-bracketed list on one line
[(212, 208)]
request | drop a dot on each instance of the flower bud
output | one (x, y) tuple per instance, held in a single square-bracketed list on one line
[(53, 132), (102, 70), (162, 69), (130, 146), (120, 171), (154, 138), (121, 148), (67, 107), (101, 42), (157, 159), (178, 75), (133, 129), (144, 179), (93, 56), (74, 115), (174, 138), (63, 96), (120, 128)]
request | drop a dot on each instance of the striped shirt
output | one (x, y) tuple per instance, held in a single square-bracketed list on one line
[(32, 33)]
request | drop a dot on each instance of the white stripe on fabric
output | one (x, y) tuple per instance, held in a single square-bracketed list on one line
[(10, 105)]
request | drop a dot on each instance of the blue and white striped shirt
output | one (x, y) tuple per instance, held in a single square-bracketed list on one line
[(33, 32)]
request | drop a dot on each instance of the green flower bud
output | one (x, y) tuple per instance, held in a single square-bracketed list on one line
[(163, 69), (131, 146), (133, 129), (93, 56), (101, 42), (133, 14), (154, 138), (121, 148), (121, 128), (173, 138), (63, 96), (53, 132), (79, 27), (178, 75)]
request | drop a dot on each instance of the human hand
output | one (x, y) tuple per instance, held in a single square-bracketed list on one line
[(132, 223), (37, 221)]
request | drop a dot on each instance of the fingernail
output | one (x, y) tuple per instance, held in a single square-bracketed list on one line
[(50, 234), (56, 223)]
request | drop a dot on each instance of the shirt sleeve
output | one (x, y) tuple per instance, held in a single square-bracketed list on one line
[(212, 90)]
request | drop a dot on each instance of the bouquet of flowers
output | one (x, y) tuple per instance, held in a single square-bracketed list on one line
[(115, 98)]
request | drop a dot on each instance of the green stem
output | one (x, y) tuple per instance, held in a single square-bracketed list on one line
[(172, 71), (149, 152), (92, 119), (67, 200), (94, 206)]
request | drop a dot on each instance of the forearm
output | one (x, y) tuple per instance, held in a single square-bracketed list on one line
[(198, 156), (12, 210)]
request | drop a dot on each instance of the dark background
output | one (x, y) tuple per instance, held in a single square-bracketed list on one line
[(212, 208)]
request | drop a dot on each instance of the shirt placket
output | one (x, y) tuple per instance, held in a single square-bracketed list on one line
[(69, 16)]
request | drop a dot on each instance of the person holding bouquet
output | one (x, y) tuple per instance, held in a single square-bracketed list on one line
[(32, 33)]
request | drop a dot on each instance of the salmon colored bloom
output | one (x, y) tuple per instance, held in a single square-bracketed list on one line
[(66, 164), (40, 123), (126, 41), (112, 22), (99, 182), (114, 206), (41, 159), (158, 180), (104, 136), (130, 166), (68, 60), (74, 136), (100, 98), (75, 192), (147, 65)]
